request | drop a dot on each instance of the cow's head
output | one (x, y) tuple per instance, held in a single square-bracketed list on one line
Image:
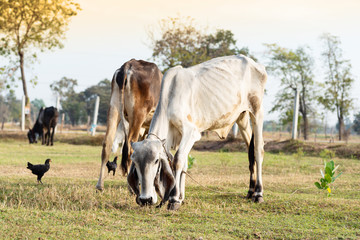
[(151, 170), (31, 136)]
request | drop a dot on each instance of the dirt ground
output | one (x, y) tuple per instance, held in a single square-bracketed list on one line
[(210, 142), (341, 149)]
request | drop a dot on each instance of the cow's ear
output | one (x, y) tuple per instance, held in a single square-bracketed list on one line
[(133, 180), (165, 181)]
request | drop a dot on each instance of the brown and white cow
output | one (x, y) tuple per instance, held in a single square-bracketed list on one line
[(210, 96), (135, 91)]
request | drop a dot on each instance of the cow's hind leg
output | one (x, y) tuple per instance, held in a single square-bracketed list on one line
[(246, 133), (43, 138), (52, 136), (112, 123), (189, 136), (47, 137)]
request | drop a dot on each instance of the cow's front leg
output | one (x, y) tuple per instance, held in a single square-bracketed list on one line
[(177, 195), (48, 137), (259, 156)]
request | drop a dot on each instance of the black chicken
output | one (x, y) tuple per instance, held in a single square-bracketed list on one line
[(112, 165), (39, 169)]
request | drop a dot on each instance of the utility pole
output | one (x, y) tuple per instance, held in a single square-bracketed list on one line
[(58, 108), (62, 122), (235, 130), (296, 113), (96, 110), (23, 114)]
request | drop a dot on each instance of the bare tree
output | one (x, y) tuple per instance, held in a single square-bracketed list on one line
[(338, 82)]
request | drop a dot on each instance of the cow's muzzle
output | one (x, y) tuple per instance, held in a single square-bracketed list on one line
[(144, 201)]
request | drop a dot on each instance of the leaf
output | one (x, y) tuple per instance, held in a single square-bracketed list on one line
[(323, 183), (317, 184), (333, 179), (322, 174), (328, 178), (336, 168), (330, 165), (328, 171)]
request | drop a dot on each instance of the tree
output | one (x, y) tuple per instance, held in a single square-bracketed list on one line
[(181, 43), (14, 106), (36, 105), (356, 123), (4, 111), (103, 90), (71, 102), (75, 108), (80, 105), (338, 82), (295, 70), (29, 24), (8, 75), (64, 88)]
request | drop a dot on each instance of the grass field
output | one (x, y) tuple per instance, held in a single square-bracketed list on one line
[(67, 206)]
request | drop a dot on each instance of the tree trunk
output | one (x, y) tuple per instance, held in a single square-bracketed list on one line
[(341, 127), (27, 100), (306, 126), (2, 123), (302, 110)]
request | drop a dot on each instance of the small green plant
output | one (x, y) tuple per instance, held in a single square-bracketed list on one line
[(191, 161), (328, 177), (327, 154), (299, 153), (222, 150)]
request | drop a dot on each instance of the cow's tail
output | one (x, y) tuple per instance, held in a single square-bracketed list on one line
[(121, 80), (251, 153), (125, 157)]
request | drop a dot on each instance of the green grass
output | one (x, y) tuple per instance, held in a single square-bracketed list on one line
[(67, 206)]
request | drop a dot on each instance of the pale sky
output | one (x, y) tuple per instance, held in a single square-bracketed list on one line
[(107, 33)]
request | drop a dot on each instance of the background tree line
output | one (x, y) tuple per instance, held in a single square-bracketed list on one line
[(182, 43), (179, 41), (79, 107)]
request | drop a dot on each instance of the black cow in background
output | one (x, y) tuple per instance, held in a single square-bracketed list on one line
[(46, 120)]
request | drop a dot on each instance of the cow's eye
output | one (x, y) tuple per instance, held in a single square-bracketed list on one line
[(157, 160)]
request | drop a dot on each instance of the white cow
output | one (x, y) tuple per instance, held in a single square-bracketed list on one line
[(210, 96)]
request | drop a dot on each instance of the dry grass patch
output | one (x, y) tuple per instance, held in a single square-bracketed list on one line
[(67, 206)]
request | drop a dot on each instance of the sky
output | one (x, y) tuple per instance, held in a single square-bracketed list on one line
[(107, 33)]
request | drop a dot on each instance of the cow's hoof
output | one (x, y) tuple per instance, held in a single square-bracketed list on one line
[(160, 205), (173, 206), (249, 194), (258, 199)]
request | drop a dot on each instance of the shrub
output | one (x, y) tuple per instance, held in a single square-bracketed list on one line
[(191, 161), (327, 154), (328, 178), (299, 153)]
